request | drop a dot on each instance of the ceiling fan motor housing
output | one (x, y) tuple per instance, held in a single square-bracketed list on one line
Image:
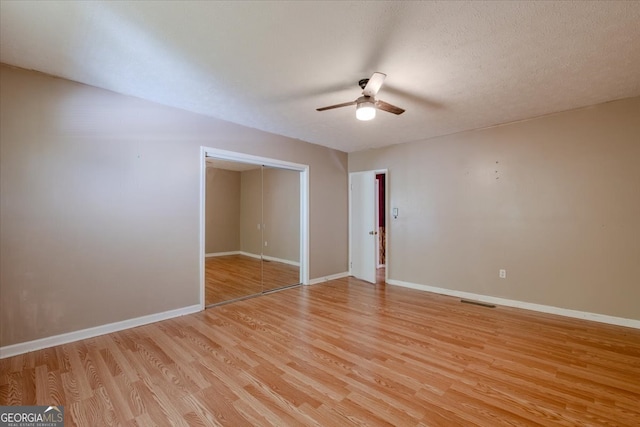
[(365, 99)]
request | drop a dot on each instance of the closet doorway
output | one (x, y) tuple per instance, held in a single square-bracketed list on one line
[(254, 226)]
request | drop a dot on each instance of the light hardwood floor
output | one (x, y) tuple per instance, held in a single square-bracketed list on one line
[(236, 276), (338, 354)]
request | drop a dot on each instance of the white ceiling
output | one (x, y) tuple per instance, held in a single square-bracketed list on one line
[(453, 66)]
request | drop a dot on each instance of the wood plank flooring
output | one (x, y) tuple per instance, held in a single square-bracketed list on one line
[(341, 353), (236, 276), (276, 275)]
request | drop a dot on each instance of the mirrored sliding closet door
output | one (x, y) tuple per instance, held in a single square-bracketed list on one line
[(252, 230)]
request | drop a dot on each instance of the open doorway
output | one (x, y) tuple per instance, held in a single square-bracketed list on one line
[(381, 219), (368, 228)]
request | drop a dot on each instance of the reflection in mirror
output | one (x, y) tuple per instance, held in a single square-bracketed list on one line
[(232, 237), (252, 230), (281, 228)]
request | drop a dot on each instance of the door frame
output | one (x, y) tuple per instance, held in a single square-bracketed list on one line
[(387, 203), (264, 161)]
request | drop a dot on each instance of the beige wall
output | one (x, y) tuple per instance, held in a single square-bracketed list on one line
[(555, 201), (239, 202), (281, 213), (99, 212), (222, 217), (251, 212)]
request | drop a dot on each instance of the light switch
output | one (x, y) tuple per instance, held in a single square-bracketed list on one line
[(395, 212)]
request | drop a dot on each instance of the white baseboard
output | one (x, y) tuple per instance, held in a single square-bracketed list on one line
[(25, 347), (249, 254), (327, 278), (603, 318), (214, 254), (282, 260)]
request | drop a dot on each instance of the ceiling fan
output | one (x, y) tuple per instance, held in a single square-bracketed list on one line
[(367, 104)]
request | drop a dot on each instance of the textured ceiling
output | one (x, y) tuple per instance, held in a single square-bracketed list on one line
[(453, 66)]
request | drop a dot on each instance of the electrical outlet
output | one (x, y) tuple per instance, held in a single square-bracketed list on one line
[(502, 274)]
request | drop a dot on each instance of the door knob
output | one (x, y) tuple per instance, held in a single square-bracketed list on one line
[(373, 232)]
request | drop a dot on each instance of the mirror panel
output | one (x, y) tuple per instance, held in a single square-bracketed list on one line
[(231, 234), (281, 231)]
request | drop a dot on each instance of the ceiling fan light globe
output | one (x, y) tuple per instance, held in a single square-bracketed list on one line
[(365, 111)]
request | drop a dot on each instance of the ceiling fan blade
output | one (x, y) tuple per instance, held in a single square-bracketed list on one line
[(384, 106), (331, 107), (374, 84)]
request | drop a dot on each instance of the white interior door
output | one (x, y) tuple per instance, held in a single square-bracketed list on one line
[(362, 226)]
